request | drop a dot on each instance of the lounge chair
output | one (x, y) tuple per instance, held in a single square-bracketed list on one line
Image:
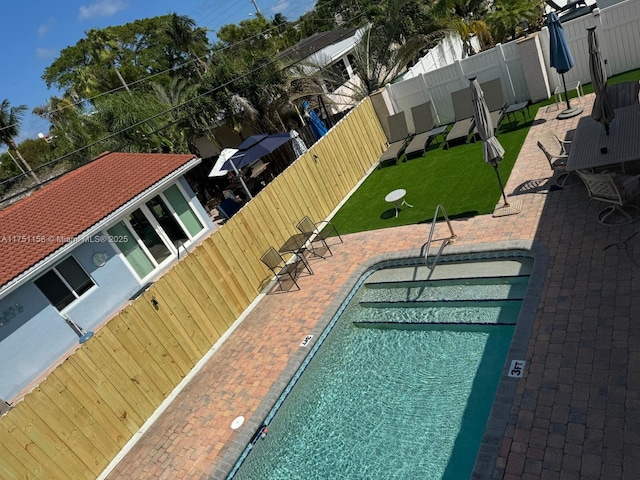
[(623, 94), (494, 98), (615, 189), (398, 139), (556, 154), (463, 112), (281, 269), (424, 130)]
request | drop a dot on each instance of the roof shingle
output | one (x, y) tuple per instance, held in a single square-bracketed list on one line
[(36, 226)]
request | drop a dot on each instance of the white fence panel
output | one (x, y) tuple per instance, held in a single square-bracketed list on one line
[(441, 83), (621, 39), (514, 82), (618, 28), (407, 94)]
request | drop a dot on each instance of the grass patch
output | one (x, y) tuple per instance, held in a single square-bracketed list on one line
[(458, 178)]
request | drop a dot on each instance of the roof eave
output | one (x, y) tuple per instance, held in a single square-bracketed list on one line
[(57, 255)]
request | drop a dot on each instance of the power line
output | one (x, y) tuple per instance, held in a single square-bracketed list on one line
[(163, 72)]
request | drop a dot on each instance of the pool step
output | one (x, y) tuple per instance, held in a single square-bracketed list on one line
[(487, 312), (512, 267), (461, 293)]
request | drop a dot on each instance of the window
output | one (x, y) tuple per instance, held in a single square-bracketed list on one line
[(131, 249), (184, 211), (353, 63), (165, 218), (153, 234), (64, 283)]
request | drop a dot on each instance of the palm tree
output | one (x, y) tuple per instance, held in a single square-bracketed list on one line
[(103, 48), (464, 17), (10, 119), (187, 40)]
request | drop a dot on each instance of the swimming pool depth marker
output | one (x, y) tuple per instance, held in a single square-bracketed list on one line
[(517, 368)]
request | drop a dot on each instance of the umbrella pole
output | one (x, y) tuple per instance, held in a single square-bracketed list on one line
[(244, 185), (506, 203), (566, 95)]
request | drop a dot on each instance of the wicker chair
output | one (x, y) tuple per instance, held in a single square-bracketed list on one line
[(616, 189)]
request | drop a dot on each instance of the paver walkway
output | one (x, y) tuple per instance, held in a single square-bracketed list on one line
[(577, 409)]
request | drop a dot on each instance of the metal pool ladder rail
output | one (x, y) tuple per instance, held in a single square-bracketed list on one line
[(446, 242)]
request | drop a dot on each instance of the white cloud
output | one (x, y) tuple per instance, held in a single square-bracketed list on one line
[(101, 8), (46, 27), (46, 53)]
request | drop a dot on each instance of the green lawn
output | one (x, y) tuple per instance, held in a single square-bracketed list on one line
[(458, 178)]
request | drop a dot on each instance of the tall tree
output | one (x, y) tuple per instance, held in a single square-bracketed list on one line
[(507, 17), (10, 121), (466, 18)]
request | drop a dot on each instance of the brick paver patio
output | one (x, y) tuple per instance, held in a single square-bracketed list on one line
[(576, 413)]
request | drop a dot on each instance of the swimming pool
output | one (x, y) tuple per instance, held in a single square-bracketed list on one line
[(403, 383)]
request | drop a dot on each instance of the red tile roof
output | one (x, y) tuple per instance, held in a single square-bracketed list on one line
[(30, 229)]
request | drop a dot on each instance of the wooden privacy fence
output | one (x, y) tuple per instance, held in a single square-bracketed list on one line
[(76, 421)]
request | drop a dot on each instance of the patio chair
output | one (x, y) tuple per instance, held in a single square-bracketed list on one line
[(321, 232), (616, 189), (398, 139), (555, 151), (494, 98), (282, 269), (623, 94), (228, 208), (463, 112), (425, 130)]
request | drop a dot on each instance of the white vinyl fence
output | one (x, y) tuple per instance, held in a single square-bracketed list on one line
[(618, 29)]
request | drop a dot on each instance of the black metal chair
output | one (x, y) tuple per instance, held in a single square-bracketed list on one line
[(282, 269), (320, 232)]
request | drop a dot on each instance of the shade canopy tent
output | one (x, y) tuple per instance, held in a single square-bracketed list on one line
[(561, 59), (602, 111), (493, 151)]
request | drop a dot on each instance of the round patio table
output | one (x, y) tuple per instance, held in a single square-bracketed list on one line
[(397, 198)]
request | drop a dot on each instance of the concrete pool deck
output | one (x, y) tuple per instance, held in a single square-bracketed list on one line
[(576, 412)]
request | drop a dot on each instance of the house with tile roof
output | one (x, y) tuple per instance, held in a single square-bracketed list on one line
[(78, 249), (332, 52)]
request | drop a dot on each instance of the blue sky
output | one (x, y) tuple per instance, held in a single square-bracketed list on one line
[(36, 31)]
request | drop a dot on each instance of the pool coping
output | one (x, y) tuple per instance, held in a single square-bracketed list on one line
[(501, 410)]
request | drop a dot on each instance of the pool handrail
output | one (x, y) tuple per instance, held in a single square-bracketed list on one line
[(446, 242)]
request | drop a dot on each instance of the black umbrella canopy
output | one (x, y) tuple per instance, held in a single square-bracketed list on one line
[(255, 147)]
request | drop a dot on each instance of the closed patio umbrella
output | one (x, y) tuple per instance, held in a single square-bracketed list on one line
[(561, 59), (492, 149), (602, 111)]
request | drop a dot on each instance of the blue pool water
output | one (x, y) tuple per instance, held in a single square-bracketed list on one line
[(396, 391)]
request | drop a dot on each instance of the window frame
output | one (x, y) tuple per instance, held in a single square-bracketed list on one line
[(66, 284), (157, 267)]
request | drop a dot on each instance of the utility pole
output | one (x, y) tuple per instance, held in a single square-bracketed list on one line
[(255, 5)]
